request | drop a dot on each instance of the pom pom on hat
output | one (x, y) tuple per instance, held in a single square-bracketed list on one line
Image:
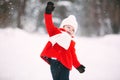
[(70, 20)]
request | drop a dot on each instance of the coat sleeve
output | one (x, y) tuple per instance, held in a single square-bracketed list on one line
[(76, 63), (50, 27)]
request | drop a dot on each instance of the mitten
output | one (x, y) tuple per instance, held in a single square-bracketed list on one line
[(49, 8), (81, 68)]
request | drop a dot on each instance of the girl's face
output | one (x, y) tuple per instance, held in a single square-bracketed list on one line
[(70, 30)]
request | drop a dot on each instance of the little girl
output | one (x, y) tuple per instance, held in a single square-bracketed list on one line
[(59, 51)]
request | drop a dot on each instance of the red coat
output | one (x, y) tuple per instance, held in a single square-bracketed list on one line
[(66, 57)]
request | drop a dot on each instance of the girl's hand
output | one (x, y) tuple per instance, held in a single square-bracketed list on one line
[(49, 8)]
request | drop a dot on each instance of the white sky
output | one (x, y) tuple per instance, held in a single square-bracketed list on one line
[(20, 57)]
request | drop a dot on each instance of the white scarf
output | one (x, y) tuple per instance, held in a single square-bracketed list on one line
[(63, 39)]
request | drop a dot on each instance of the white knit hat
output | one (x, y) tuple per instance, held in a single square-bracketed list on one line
[(70, 20)]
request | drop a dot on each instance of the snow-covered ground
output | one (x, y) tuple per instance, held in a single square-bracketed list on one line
[(20, 57)]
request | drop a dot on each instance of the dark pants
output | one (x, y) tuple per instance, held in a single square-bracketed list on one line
[(59, 72)]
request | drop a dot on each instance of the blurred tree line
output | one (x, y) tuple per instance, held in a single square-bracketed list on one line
[(95, 17)]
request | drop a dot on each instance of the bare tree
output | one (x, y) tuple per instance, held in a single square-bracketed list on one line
[(5, 15), (21, 12)]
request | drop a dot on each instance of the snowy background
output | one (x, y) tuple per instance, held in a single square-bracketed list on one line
[(20, 57), (23, 36)]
